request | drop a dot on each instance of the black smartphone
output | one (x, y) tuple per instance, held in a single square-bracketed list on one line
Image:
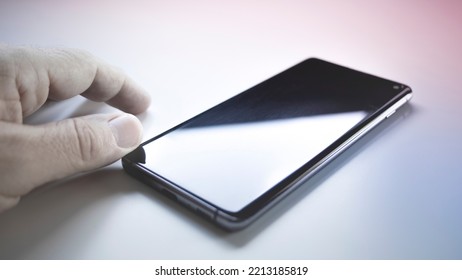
[(233, 162)]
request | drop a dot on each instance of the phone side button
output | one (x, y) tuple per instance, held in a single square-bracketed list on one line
[(390, 114), (169, 194)]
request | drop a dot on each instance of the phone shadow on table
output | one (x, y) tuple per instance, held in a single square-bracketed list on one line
[(18, 239)]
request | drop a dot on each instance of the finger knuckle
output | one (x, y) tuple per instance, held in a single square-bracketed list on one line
[(88, 142)]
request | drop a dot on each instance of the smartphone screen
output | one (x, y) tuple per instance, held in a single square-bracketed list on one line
[(237, 157)]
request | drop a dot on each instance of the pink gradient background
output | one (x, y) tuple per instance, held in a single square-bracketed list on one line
[(401, 197)]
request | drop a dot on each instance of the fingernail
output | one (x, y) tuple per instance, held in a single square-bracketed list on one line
[(127, 130)]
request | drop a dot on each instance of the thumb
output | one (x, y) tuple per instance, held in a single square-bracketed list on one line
[(39, 154)]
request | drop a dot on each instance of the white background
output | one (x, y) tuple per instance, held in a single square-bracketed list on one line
[(395, 194)]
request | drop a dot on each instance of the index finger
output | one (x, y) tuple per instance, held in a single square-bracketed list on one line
[(57, 74), (74, 72)]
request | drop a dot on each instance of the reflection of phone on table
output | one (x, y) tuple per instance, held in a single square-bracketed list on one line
[(233, 162)]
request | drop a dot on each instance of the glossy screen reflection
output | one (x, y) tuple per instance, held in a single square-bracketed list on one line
[(233, 153), (231, 165)]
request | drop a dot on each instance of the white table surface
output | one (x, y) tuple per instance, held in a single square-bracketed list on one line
[(396, 194)]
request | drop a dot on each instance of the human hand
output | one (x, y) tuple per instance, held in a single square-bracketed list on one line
[(33, 155)]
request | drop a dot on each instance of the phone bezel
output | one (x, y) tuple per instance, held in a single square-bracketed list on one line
[(237, 220)]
